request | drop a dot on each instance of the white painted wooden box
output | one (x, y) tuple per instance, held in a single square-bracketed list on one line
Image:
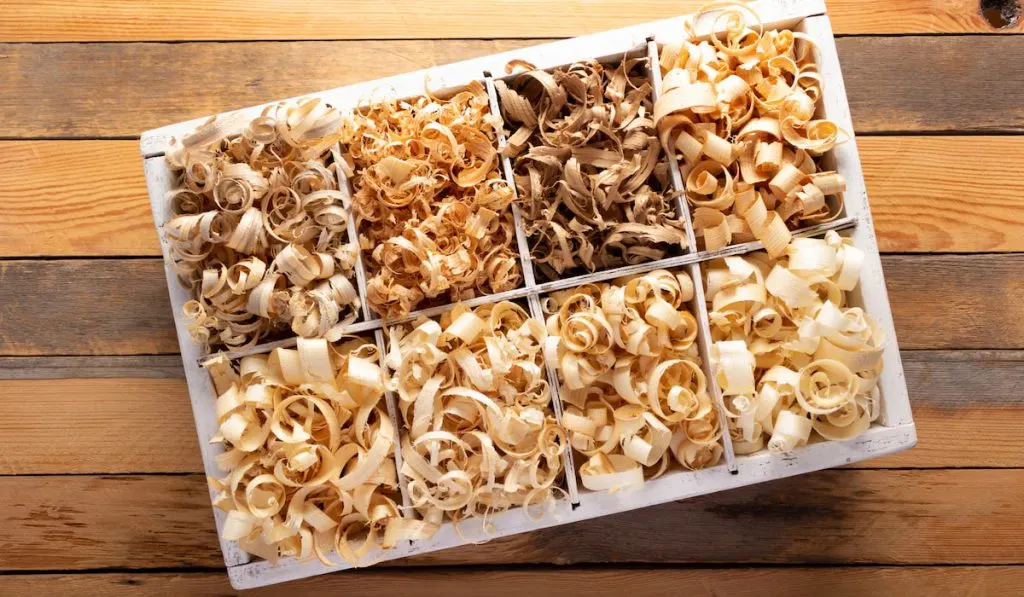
[(893, 432)]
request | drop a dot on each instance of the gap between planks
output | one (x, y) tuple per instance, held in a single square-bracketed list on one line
[(502, 581)]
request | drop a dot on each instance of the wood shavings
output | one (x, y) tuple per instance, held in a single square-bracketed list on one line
[(631, 378), (791, 356), (474, 398), (591, 176), (310, 450), (739, 112), (432, 211), (259, 226)]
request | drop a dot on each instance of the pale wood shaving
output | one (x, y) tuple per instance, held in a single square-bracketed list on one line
[(258, 228), (739, 112), (631, 377)]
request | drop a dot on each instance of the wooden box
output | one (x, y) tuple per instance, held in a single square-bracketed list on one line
[(894, 431)]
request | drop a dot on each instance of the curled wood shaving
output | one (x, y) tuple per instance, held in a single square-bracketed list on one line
[(259, 227), (475, 400), (637, 397), (740, 113), (310, 450), (431, 208), (590, 173), (792, 357)]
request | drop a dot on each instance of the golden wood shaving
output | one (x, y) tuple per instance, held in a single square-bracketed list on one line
[(475, 400), (590, 173), (792, 357), (258, 228), (631, 376), (310, 450), (432, 211), (740, 114)]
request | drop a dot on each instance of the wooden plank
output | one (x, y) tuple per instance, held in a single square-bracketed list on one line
[(975, 206), (95, 20), (833, 517), (96, 522), (967, 406), (74, 198), (117, 306), (115, 425), (933, 83), (907, 581), (938, 194), (956, 301), (105, 89)]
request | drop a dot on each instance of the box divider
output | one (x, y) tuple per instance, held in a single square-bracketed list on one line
[(345, 186), (704, 344), (392, 402), (556, 405), (682, 209), (525, 259)]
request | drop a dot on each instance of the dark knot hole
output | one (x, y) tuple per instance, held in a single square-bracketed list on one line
[(1000, 13)]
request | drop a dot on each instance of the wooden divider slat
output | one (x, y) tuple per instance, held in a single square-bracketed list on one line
[(835, 517), (974, 206), (119, 306), (97, 20), (907, 84)]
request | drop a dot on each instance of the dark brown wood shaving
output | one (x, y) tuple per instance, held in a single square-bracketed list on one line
[(592, 179)]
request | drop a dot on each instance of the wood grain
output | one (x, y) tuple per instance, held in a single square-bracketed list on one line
[(117, 425), (112, 306), (968, 409), (920, 203), (119, 306), (74, 198), (830, 517), (937, 194), (900, 84), (956, 301), (148, 367), (104, 89), (96, 20), (967, 406), (606, 581)]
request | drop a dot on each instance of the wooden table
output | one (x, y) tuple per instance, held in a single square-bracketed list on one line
[(101, 490)]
